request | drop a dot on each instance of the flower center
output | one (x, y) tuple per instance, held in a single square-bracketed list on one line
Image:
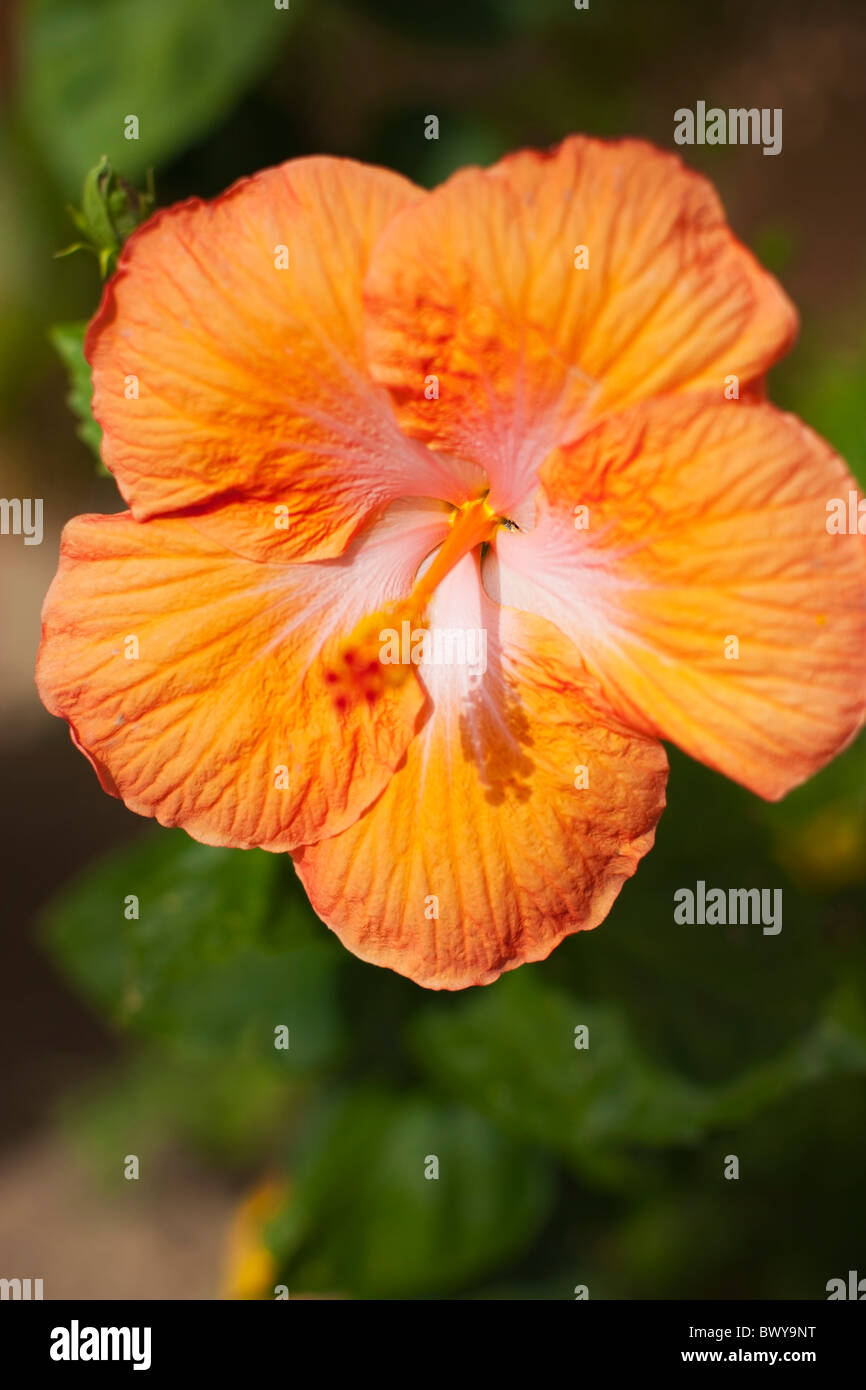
[(358, 669), (471, 525)]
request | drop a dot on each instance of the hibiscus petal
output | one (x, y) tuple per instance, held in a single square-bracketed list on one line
[(218, 717), (484, 824), (230, 387), (705, 592), (477, 285)]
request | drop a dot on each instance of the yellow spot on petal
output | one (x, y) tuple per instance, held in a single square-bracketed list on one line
[(356, 670)]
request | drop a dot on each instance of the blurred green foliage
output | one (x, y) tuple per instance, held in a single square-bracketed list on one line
[(703, 1041), (558, 1166), (87, 65), (362, 1217), (221, 950)]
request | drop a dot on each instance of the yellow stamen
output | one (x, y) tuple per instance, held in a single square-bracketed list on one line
[(357, 668), (474, 523)]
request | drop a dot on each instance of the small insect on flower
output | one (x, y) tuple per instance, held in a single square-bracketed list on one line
[(295, 489)]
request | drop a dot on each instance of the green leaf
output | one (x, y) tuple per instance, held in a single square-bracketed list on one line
[(363, 1219), (68, 341), (834, 1046), (225, 949), (87, 65), (511, 1052), (708, 1000)]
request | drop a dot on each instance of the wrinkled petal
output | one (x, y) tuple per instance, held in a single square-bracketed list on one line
[(229, 387), (706, 593), (218, 716), (482, 853), (476, 285)]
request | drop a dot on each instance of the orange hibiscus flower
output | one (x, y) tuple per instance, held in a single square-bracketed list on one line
[(526, 407)]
